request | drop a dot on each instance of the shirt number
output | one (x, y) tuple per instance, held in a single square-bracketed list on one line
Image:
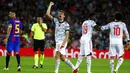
[(17, 28), (116, 31)]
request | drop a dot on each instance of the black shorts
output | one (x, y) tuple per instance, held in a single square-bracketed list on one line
[(38, 44)]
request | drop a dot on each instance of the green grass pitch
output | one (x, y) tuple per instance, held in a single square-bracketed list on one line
[(98, 66)]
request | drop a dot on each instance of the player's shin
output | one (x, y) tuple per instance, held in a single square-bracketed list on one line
[(70, 64), (41, 59), (79, 61), (18, 59), (120, 61), (112, 65), (88, 61), (36, 59), (7, 60), (57, 65)]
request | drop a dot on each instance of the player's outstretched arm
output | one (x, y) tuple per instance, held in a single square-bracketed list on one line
[(48, 13), (31, 37)]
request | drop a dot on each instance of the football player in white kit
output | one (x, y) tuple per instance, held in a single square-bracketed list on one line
[(61, 37), (86, 42), (117, 28)]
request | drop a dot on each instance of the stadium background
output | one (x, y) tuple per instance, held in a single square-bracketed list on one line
[(76, 10)]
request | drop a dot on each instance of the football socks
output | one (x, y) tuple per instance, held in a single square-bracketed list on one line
[(88, 62), (70, 64), (79, 61), (112, 65), (18, 59), (120, 61), (57, 65), (36, 59), (41, 59), (7, 60)]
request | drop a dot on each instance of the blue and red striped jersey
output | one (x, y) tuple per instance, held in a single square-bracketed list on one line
[(15, 31)]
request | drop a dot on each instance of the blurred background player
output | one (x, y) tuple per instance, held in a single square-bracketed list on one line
[(61, 37), (38, 33), (86, 42), (13, 39), (117, 28)]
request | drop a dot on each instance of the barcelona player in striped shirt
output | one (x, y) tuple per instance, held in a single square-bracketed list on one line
[(12, 39)]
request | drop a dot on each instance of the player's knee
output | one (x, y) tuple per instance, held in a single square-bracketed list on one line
[(58, 53), (57, 56), (17, 53), (62, 59), (35, 52), (41, 52)]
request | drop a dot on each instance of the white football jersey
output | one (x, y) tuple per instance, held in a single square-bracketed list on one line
[(87, 29), (116, 31), (60, 30)]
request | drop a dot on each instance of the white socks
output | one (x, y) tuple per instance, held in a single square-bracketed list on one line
[(120, 61), (88, 62), (79, 61), (57, 65), (66, 61), (70, 64), (112, 65)]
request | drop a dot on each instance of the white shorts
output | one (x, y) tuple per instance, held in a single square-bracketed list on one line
[(116, 49), (85, 47), (61, 50)]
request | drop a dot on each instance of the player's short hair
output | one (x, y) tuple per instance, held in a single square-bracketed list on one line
[(118, 16), (62, 11), (39, 16), (12, 12)]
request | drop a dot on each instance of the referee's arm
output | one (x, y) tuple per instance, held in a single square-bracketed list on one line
[(32, 33), (43, 28), (31, 36)]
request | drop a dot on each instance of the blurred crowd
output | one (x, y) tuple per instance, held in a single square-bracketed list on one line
[(76, 12)]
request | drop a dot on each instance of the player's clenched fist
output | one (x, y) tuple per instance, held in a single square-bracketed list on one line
[(51, 3)]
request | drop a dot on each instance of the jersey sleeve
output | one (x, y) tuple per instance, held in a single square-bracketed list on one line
[(10, 23), (20, 25), (93, 24), (67, 27), (105, 27), (55, 21), (32, 29), (126, 32)]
